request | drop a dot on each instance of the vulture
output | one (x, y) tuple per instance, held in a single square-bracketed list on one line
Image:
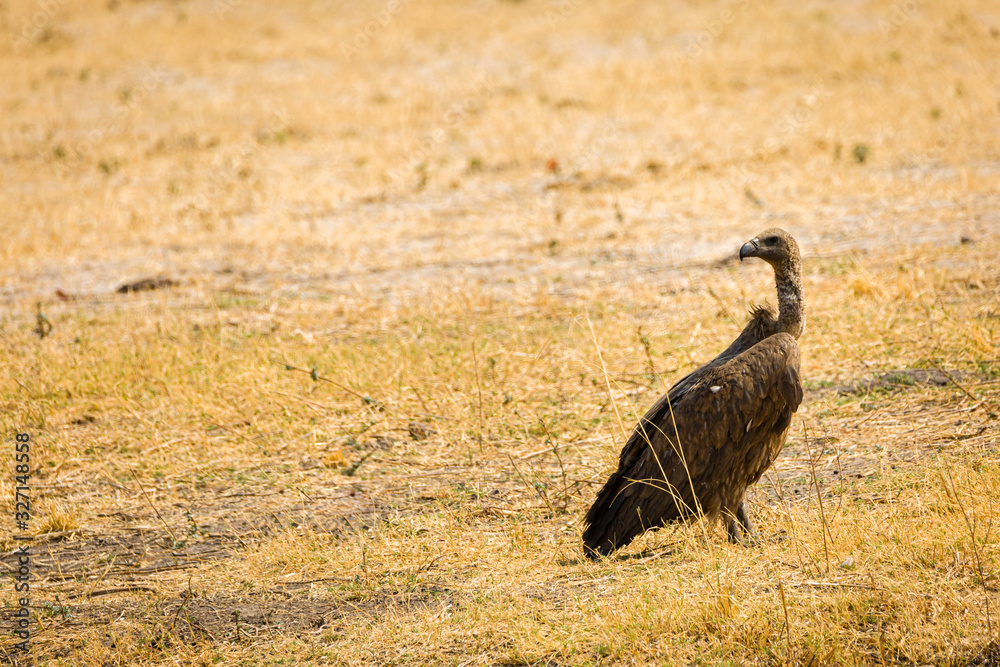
[(699, 448)]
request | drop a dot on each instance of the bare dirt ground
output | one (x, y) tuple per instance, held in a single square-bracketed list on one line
[(424, 264)]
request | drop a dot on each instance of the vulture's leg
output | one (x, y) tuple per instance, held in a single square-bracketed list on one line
[(741, 530), (734, 529), (741, 514)]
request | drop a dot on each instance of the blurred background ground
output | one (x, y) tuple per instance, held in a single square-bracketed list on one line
[(361, 423)]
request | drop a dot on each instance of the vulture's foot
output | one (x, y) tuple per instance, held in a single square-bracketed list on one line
[(737, 535)]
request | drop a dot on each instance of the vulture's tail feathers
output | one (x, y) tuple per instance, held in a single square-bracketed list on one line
[(626, 508), (614, 519), (635, 497)]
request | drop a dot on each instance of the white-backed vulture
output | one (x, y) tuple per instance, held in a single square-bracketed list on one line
[(699, 448)]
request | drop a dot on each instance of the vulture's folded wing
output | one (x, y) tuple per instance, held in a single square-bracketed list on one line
[(680, 446), (743, 396)]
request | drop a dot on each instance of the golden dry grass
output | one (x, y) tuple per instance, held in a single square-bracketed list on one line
[(364, 426)]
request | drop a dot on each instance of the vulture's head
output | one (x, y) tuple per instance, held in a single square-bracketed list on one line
[(774, 246)]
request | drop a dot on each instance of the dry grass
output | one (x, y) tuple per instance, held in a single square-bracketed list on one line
[(364, 426)]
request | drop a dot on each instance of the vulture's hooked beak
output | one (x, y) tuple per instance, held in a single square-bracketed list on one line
[(749, 249)]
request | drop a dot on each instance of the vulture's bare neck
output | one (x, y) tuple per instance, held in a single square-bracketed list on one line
[(791, 307)]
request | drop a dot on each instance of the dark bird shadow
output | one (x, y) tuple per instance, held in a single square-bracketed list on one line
[(640, 557)]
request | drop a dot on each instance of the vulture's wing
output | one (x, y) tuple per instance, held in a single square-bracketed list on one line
[(761, 324), (718, 419)]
